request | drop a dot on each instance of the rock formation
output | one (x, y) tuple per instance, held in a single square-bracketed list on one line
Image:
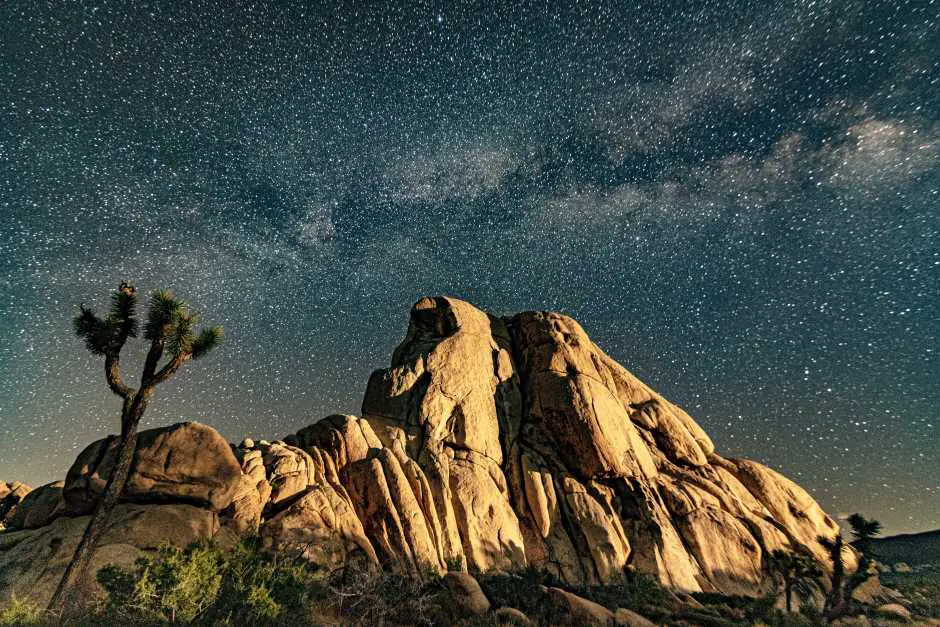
[(489, 443), (10, 496)]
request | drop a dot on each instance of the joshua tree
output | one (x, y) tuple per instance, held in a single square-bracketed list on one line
[(836, 599), (863, 532), (170, 328), (795, 568)]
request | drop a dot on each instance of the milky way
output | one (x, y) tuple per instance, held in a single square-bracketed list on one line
[(738, 201)]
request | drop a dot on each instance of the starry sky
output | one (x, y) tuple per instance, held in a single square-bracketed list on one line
[(737, 200)]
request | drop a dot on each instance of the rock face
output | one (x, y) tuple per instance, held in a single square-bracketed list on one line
[(489, 443), (516, 441)]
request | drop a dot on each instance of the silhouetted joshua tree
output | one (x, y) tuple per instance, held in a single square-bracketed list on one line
[(795, 569), (171, 330), (836, 599), (863, 532)]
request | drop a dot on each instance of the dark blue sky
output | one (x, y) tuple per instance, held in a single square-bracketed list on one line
[(739, 202)]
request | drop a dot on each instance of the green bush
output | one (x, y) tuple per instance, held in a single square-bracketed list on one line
[(263, 587), (201, 584), (632, 590), (520, 590), (175, 586), (18, 612)]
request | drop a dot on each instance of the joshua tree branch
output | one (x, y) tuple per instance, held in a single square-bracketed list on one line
[(153, 358), (112, 370), (170, 368)]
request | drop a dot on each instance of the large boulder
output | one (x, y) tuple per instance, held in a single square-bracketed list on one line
[(38, 508), (566, 608), (466, 594), (32, 561), (185, 462)]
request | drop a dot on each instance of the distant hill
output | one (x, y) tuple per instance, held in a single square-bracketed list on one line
[(912, 548)]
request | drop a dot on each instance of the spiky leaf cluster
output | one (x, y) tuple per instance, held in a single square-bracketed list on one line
[(107, 336), (170, 323), (864, 531), (207, 339), (163, 308)]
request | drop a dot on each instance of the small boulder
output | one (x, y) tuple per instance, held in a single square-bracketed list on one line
[(902, 567), (467, 594), (628, 618), (512, 616), (10, 496), (570, 609), (894, 611), (872, 592)]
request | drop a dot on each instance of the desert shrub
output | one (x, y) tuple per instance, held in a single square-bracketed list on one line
[(375, 597), (18, 612), (521, 590), (176, 585), (723, 609), (260, 587), (632, 590), (202, 584)]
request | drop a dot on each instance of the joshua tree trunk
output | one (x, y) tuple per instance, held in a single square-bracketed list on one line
[(837, 594), (127, 445)]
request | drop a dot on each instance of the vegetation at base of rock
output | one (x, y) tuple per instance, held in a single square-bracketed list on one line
[(720, 609), (247, 585), (633, 590), (201, 584), (19, 612), (796, 570)]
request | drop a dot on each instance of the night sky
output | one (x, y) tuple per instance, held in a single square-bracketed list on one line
[(737, 200)]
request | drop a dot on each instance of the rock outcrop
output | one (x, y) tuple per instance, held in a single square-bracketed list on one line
[(489, 443), (506, 442)]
